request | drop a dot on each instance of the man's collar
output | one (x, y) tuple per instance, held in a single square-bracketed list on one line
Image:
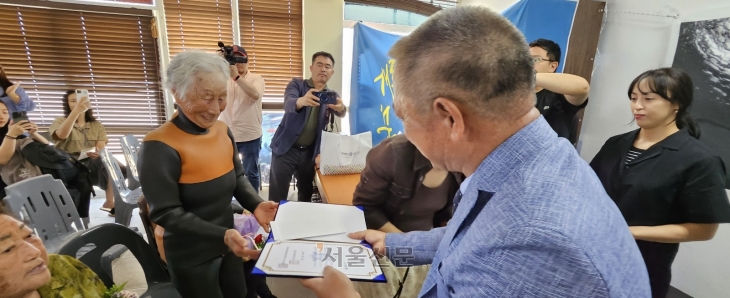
[(530, 141), (310, 82)]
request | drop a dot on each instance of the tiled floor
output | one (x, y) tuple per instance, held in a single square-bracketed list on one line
[(127, 269)]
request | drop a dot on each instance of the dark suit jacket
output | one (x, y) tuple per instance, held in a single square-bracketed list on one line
[(294, 121)]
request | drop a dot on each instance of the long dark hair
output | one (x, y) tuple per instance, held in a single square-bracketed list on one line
[(4, 81), (675, 86), (88, 116), (5, 127)]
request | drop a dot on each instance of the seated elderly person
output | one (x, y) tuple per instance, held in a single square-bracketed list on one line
[(401, 192), (27, 270), (189, 170)]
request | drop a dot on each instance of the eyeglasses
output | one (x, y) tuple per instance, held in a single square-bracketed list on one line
[(540, 59)]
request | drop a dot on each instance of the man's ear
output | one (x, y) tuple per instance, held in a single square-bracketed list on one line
[(449, 114), (554, 66)]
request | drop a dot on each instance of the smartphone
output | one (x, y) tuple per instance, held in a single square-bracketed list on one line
[(81, 93), (19, 116), (326, 97)]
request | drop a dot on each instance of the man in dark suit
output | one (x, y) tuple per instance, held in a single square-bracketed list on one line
[(296, 142)]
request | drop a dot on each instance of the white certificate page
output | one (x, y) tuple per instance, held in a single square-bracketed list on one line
[(296, 258)]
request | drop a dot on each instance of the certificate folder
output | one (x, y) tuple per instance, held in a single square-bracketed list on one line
[(305, 237)]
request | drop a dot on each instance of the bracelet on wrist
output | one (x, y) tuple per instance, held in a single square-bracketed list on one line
[(11, 137)]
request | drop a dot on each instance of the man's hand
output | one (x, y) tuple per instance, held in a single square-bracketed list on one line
[(265, 213), (339, 107), (375, 238), (235, 242), (308, 100), (333, 284), (234, 71)]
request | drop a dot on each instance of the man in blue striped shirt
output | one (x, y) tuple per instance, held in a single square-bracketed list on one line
[(532, 219)]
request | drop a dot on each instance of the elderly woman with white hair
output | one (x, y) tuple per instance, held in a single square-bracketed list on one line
[(189, 170)]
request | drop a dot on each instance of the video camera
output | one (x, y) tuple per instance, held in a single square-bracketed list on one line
[(228, 53)]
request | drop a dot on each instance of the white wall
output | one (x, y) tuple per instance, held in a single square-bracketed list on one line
[(629, 45), (322, 31), (496, 5)]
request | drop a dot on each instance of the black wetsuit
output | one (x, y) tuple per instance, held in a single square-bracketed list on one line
[(188, 176)]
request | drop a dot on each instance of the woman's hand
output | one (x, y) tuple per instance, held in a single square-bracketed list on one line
[(93, 155), (33, 128), (251, 254), (19, 128), (83, 105), (236, 243), (10, 91), (265, 213)]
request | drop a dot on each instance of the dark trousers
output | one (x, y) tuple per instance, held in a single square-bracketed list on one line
[(220, 277), (250, 151), (283, 166), (256, 284)]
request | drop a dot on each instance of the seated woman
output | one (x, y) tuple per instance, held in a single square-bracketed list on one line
[(27, 270), (13, 166), (80, 130), (13, 96), (24, 157), (401, 192)]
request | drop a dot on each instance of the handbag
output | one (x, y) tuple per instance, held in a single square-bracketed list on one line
[(341, 154)]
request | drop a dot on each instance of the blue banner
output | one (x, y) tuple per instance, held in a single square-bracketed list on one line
[(548, 19), (371, 98), (371, 95)]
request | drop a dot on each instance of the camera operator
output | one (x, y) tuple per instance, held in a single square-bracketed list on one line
[(243, 114), (296, 142)]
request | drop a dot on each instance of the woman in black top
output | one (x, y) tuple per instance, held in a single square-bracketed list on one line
[(667, 184)]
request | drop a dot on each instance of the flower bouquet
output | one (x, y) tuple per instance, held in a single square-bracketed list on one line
[(118, 291)]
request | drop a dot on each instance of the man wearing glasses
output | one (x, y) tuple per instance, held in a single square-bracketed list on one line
[(559, 95)]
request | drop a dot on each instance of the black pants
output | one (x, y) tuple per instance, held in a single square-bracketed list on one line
[(283, 166), (256, 284), (221, 277)]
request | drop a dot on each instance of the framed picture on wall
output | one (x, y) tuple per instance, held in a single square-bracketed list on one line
[(703, 51)]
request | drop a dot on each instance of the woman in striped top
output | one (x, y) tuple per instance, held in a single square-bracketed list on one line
[(668, 185)]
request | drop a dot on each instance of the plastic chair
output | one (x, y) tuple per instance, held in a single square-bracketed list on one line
[(104, 237), (125, 199), (130, 147), (45, 204), (149, 227)]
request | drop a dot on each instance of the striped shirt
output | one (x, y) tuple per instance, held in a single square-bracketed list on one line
[(633, 154)]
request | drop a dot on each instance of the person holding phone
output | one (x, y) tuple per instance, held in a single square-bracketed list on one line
[(79, 130), (13, 166), (295, 144), (668, 185), (13, 96)]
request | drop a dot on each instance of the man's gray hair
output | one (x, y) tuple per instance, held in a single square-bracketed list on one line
[(468, 54), (186, 66)]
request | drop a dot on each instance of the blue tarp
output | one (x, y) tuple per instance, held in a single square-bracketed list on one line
[(549, 19), (371, 95)]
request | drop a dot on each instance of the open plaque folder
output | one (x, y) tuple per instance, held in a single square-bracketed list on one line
[(306, 237)]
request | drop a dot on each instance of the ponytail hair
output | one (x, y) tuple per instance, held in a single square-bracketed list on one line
[(676, 87)]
